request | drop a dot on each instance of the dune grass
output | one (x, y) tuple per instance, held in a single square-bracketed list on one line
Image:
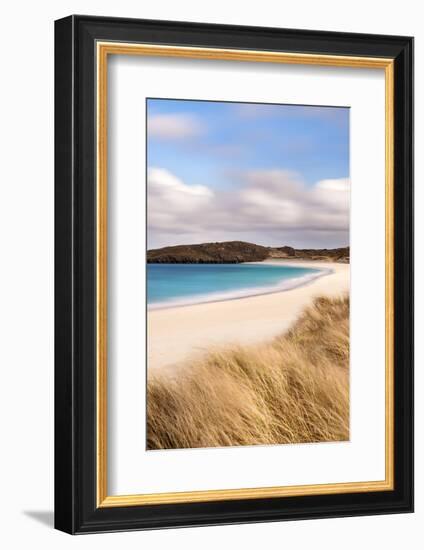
[(293, 389)]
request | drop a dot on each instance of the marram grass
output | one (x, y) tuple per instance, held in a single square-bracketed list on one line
[(293, 389)]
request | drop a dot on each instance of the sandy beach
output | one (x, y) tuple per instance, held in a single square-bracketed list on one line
[(177, 333)]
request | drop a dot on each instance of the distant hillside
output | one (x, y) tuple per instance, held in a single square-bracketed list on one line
[(233, 252), (340, 255)]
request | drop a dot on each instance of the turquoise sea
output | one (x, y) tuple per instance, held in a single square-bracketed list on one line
[(171, 285)]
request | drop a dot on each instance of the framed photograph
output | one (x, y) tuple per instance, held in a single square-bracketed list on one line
[(234, 274)]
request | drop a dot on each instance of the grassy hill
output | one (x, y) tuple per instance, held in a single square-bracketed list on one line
[(234, 252)]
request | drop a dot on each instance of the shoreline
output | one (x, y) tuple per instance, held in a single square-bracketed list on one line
[(249, 293), (196, 328)]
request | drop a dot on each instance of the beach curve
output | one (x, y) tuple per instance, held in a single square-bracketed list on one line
[(195, 329)]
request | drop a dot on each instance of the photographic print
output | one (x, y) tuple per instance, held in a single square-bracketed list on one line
[(247, 274)]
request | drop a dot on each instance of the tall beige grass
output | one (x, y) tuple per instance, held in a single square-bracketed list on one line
[(294, 389)]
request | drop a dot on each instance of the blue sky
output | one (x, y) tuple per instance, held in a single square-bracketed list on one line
[(210, 154)]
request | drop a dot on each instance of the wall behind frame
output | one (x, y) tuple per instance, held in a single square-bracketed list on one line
[(26, 275)]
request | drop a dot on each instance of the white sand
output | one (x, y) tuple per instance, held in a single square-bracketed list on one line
[(177, 333)]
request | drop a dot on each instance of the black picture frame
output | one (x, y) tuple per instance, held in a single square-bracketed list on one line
[(76, 510)]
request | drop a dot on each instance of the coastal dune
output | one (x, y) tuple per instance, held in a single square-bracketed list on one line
[(292, 389), (178, 333)]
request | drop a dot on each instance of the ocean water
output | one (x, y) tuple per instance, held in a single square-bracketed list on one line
[(171, 285)]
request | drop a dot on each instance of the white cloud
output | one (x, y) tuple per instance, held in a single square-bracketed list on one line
[(171, 202), (268, 207), (163, 179), (174, 126)]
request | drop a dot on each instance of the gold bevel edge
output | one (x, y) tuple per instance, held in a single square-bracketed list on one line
[(389, 269), (101, 289), (103, 50), (244, 494), (122, 48)]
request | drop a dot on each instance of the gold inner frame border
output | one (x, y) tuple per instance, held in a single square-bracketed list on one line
[(103, 50)]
